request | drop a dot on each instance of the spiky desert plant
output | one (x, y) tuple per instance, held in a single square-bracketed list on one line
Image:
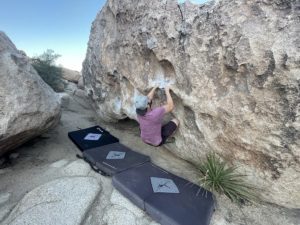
[(217, 177)]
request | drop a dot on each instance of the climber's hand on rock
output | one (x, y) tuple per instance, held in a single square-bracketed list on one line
[(170, 104)]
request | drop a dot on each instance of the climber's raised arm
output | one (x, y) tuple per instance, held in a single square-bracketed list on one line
[(170, 104), (151, 93), (153, 132)]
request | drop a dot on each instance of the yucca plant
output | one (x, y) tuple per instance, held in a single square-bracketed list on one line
[(216, 177)]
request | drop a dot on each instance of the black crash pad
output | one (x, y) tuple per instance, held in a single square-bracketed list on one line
[(114, 158), (167, 198), (135, 183), (191, 206), (91, 138)]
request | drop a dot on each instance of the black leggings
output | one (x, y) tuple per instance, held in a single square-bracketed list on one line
[(167, 130)]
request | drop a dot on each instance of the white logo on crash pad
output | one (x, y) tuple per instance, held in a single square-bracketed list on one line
[(115, 155), (163, 185), (92, 137)]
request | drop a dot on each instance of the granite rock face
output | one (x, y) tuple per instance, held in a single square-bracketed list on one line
[(60, 201), (234, 67), (28, 106)]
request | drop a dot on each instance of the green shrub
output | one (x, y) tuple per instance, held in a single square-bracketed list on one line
[(218, 178), (45, 66)]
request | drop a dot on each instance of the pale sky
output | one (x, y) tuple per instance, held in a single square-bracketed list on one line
[(61, 25)]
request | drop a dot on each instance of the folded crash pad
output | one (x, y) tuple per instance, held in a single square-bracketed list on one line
[(91, 138), (114, 158), (169, 199)]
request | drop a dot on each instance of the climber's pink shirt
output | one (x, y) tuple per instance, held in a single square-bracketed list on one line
[(150, 125)]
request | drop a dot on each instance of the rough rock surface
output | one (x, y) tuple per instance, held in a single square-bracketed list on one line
[(80, 83), (62, 201), (28, 106), (234, 66), (71, 75), (124, 212)]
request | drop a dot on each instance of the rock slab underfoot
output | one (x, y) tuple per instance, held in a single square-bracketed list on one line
[(62, 201)]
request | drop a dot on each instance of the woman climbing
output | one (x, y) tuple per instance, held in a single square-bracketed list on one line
[(150, 120)]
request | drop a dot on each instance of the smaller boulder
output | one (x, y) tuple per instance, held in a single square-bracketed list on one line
[(28, 106), (71, 75)]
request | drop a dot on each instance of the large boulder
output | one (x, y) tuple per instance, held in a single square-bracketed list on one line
[(28, 106), (70, 75), (234, 66)]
